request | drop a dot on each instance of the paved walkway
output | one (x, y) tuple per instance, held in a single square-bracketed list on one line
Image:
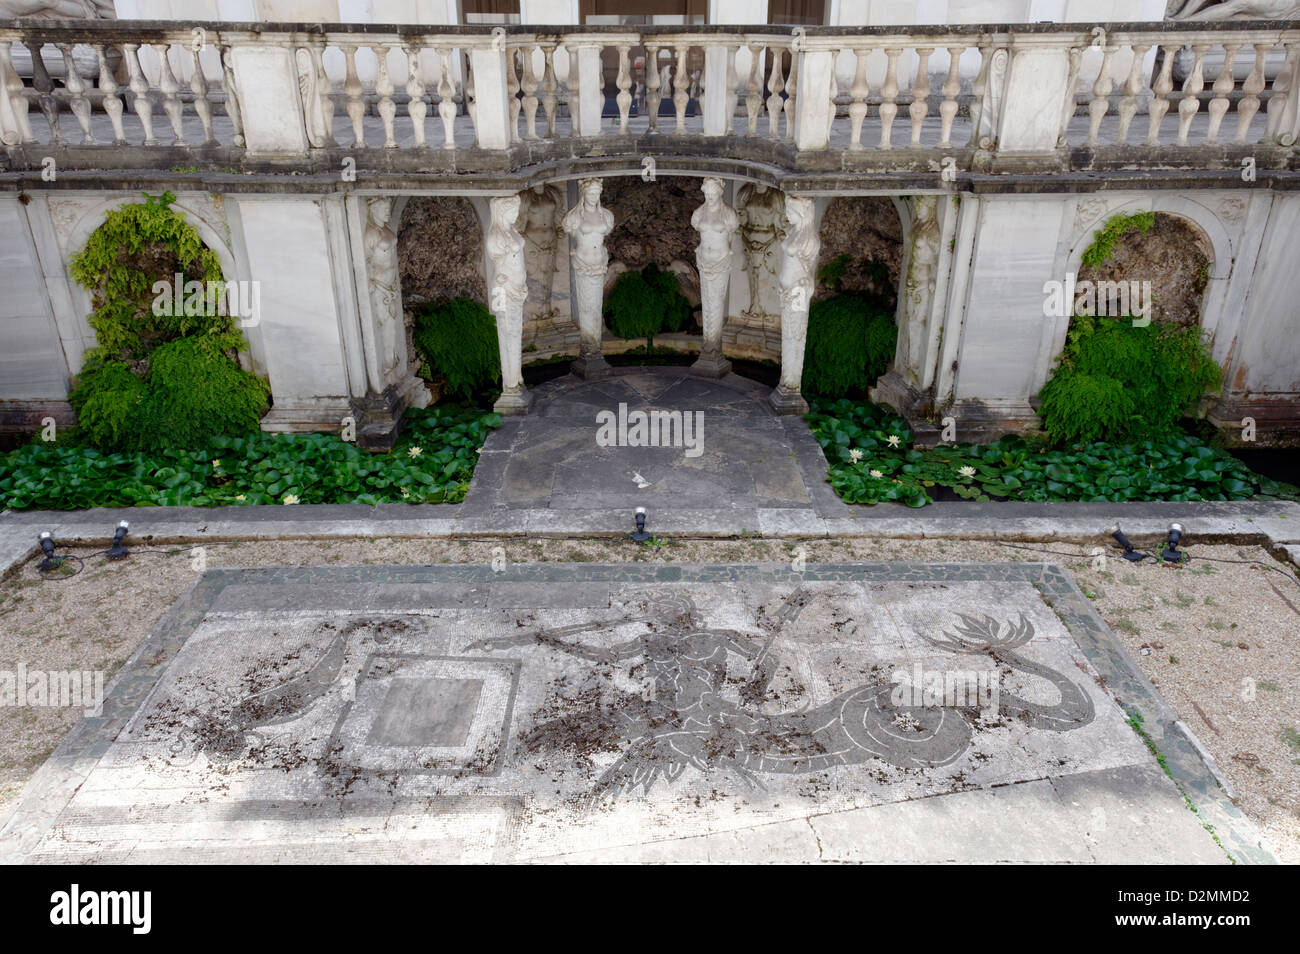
[(662, 438), (628, 713)]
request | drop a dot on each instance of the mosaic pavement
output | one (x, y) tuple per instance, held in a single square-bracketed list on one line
[(870, 712)]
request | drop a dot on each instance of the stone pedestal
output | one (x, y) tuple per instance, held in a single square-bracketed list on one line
[(589, 366), (786, 401), (379, 419), (712, 365), (516, 400)]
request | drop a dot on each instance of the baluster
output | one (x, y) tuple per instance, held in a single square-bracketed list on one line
[(11, 88), (323, 95), (384, 89), (775, 84), (791, 93), (139, 93), (1189, 105), (1071, 99), (415, 107), (860, 90), (1128, 106), (1161, 89), (1224, 84), (1281, 108), (45, 90), (624, 82), (530, 93), (232, 100), (76, 87), (171, 101), (653, 92), (920, 90), (681, 81), (471, 101), (951, 87), (550, 91), (1099, 105), (889, 93), (1252, 87), (199, 87), (446, 98), (754, 89), (512, 93), (356, 106), (979, 88)]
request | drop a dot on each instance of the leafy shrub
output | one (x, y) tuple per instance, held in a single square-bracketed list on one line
[(196, 392), (457, 339), (645, 303), (432, 463), (871, 461), (848, 346), (159, 373), (107, 399), (1107, 237), (1117, 382), (136, 246)]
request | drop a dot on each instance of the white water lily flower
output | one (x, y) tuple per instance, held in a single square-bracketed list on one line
[(855, 455), (290, 499), (415, 451), (966, 471), (894, 440), (876, 473)]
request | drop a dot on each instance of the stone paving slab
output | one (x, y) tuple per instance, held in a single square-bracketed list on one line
[(581, 712)]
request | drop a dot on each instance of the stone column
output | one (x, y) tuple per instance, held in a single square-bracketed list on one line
[(798, 267), (505, 250), (718, 225), (587, 224)]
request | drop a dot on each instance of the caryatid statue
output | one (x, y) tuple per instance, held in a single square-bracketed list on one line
[(762, 211), (798, 264), (505, 249), (587, 224), (540, 210), (717, 224)]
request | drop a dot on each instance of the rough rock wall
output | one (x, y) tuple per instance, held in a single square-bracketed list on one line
[(1174, 256), (863, 227)]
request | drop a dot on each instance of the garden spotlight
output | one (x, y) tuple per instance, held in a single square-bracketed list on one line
[(117, 551), (47, 547), (1171, 552), (1130, 552), (640, 536)]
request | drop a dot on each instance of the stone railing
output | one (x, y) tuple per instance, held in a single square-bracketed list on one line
[(1012, 94)]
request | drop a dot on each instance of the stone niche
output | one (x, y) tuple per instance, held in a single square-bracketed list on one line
[(439, 256), (864, 227), (1174, 256), (652, 226), (549, 327)]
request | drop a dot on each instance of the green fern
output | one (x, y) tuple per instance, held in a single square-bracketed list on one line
[(1107, 237), (458, 340)]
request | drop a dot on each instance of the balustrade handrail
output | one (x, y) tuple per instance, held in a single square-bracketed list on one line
[(104, 30), (285, 84)]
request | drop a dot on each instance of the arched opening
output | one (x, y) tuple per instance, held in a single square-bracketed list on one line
[(1170, 262), (852, 329), (440, 259)]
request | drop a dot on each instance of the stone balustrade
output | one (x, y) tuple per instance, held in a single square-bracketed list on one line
[(1016, 95)]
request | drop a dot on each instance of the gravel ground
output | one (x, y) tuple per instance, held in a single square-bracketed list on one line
[(1218, 639)]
